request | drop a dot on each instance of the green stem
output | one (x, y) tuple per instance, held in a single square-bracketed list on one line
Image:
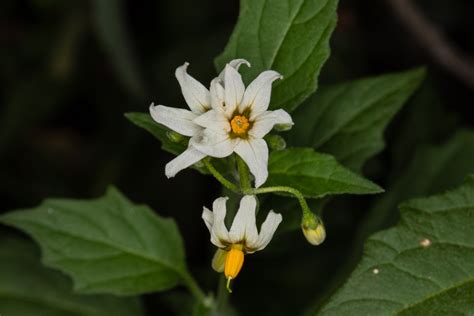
[(222, 293), (244, 174), (304, 205), (193, 287), (229, 185)]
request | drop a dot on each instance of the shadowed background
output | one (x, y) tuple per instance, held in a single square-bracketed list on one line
[(69, 70)]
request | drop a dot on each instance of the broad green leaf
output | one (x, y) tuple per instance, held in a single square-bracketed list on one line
[(315, 174), (347, 120), (27, 288), (107, 245), (423, 266), (291, 37), (433, 169), (112, 32), (145, 121)]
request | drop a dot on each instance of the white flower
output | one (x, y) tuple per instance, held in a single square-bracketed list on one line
[(198, 99), (242, 238), (239, 120)]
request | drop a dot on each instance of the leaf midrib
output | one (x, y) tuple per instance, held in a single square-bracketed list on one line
[(290, 23)]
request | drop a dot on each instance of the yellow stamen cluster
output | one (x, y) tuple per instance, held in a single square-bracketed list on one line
[(233, 264), (239, 124)]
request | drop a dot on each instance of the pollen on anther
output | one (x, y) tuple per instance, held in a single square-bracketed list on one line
[(239, 124)]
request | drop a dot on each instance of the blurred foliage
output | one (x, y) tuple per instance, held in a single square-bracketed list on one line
[(69, 70), (28, 288)]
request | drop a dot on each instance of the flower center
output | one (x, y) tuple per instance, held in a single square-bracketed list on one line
[(233, 263), (239, 124)]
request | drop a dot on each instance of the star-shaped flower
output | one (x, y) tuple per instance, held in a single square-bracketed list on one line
[(239, 119), (242, 238), (198, 99)]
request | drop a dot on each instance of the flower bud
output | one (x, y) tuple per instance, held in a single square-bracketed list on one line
[(275, 142), (313, 229), (218, 262), (174, 137), (283, 127)]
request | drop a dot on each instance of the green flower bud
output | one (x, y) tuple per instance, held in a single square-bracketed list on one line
[(174, 137), (218, 261), (313, 229), (275, 142)]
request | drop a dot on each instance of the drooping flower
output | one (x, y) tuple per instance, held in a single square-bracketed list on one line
[(243, 236), (239, 119), (198, 99)]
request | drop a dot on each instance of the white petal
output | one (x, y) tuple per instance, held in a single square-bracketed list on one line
[(267, 230), (179, 120), (208, 218), (196, 95), (244, 227), (265, 122), (214, 120), (254, 152), (235, 63), (213, 143), (219, 232), (257, 95), (233, 88), (217, 94), (187, 158)]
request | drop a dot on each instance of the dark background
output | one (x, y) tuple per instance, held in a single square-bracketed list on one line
[(63, 93)]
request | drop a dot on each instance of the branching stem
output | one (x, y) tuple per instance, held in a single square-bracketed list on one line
[(226, 183), (297, 194)]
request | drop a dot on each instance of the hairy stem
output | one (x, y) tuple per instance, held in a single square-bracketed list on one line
[(222, 293), (226, 183), (297, 194)]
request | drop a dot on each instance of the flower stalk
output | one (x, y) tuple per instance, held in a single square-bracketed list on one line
[(297, 194), (245, 186), (193, 287), (219, 177)]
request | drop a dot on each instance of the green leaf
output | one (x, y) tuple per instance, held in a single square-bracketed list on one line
[(347, 120), (145, 121), (112, 33), (433, 169), (107, 245), (27, 288), (314, 174), (423, 266), (291, 37)]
